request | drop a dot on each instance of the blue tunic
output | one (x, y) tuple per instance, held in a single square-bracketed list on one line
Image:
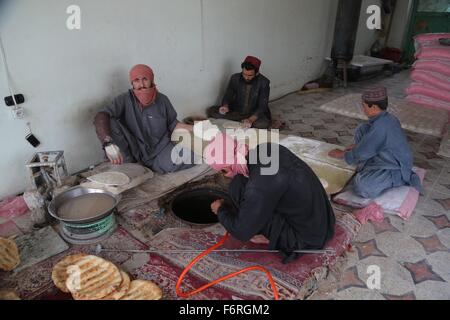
[(383, 157)]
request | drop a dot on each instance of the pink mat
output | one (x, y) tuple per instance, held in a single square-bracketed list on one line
[(13, 207), (9, 229), (398, 201)]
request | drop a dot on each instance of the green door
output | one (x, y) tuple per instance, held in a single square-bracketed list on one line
[(427, 16)]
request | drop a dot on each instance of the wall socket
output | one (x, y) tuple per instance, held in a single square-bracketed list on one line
[(19, 100)]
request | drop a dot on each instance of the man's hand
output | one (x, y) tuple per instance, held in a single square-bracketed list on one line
[(248, 123), (114, 155), (260, 239), (223, 110), (350, 148), (184, 126), (337, 154), (215, 206)]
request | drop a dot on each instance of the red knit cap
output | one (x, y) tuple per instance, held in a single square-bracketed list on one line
[(254, 61)]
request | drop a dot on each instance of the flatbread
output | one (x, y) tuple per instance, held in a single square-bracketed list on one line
[(233, 125), (8, 294), (9, 254), (59, 273), (93, 278), (115, 295), (111, 178), (122, 290), (143, 290)]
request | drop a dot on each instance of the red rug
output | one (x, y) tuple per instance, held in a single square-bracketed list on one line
[(294, 281), (35, 283)]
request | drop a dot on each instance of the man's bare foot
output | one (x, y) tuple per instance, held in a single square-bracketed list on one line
[(260, 239)]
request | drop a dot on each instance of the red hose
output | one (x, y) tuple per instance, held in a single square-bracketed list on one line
[(231, 275)]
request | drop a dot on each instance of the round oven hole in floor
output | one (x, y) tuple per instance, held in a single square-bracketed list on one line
[(194, 206)]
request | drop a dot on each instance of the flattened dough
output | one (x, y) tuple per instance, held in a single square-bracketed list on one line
[(111, 178)]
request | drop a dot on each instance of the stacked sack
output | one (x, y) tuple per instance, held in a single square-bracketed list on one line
[(431, 74)]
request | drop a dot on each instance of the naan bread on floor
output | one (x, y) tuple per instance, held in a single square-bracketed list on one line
[(93, 278), (59, 273), (122, 290), (8, 294), (9, 254), (143, 290)]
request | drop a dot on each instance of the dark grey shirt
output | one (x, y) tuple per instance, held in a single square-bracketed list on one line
[(152, 126), (291, 208), (248, 101)]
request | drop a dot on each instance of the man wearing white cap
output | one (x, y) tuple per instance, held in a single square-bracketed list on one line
[(381, 151)]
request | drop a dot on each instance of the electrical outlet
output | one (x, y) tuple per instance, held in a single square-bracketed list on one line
[(9, 101)]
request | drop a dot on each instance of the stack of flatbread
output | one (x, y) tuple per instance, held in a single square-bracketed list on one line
[(9, 254), (8, 294), (89, 277)]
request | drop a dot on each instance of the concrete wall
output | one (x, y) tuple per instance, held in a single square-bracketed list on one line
[(399, 24), (193, 46)]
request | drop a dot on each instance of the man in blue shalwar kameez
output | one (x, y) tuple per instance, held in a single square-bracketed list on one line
[(381, 152)]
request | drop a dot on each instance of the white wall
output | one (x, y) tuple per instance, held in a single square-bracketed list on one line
[(66, 76)]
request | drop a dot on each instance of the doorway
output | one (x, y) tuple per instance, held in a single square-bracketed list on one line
[(427, 16)]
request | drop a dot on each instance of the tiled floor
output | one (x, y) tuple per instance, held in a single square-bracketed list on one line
[(413, 256)]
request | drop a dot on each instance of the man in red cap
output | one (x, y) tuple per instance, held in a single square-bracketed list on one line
[(137, 126), (246, 98)]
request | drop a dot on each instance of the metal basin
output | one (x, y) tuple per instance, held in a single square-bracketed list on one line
[(77, 193)]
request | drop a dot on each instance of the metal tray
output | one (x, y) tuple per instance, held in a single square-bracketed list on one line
[(75, 192)]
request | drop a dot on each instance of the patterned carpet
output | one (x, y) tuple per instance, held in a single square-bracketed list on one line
[(294, 281)]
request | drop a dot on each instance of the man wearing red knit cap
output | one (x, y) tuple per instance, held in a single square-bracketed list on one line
[(246, 98), (137, 126)]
